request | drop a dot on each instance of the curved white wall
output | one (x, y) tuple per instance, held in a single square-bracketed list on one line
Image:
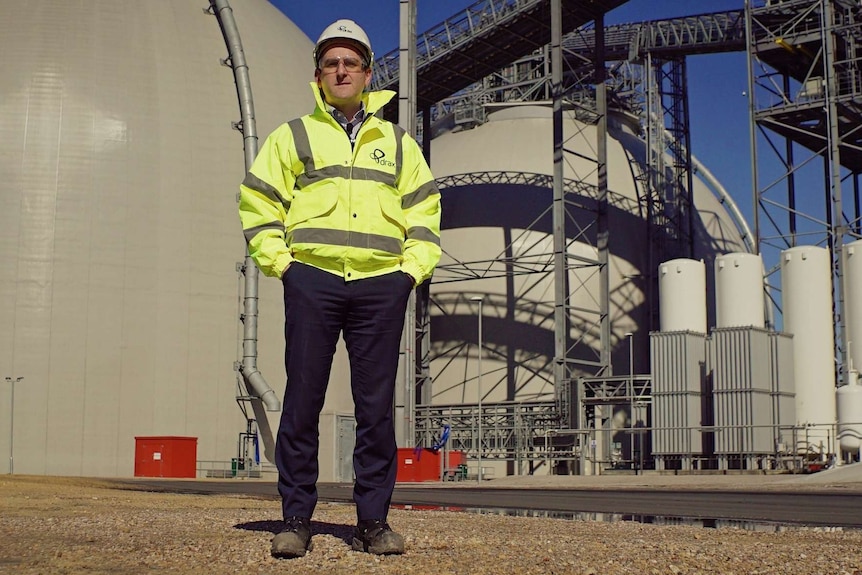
[(518, 139), (739, 290), (682, 295), (119, 234), (806, 287)]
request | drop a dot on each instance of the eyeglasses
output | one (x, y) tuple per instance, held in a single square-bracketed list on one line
[(350, 63)]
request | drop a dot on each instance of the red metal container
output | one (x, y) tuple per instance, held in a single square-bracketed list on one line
[(166, 456), (425, 465)]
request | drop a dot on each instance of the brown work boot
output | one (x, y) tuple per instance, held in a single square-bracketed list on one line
[(294, 540), (375, 536)]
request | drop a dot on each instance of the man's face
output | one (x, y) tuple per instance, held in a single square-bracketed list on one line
[(342, 75)]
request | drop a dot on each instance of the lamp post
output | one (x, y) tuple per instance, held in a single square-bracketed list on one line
[(12, 382), (631, 387), (479, 299), (630, 392)]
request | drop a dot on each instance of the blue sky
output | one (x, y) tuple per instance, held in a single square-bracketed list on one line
[(717, 83)]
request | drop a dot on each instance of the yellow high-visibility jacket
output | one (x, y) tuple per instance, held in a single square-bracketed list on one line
[(356, 212)]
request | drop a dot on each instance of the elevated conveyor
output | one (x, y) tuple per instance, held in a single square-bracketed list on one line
[(700, 34), (487, 36)]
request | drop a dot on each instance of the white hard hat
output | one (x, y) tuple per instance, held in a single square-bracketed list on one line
[(347, 30)]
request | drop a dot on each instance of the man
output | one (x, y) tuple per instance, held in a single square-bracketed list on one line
[(342, 206)]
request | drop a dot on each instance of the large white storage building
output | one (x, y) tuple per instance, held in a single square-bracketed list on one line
[(119, 238)]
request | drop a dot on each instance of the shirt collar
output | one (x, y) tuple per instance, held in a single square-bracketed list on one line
[(342, 119)]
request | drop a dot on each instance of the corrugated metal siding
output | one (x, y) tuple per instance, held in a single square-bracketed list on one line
[(744, 419), (782, 381), (676, 419), (679, 369), (743, 393), (678, 361), (742, 359)]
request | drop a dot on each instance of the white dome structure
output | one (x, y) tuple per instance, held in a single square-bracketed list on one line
[(120, 234), (497, 209)]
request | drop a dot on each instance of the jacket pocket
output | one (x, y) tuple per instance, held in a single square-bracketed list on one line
[(390, 208), (308, 205)]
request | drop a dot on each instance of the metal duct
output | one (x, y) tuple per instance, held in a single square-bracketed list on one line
[(255, 383)]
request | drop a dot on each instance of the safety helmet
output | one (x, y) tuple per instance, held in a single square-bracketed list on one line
[(344, 30)]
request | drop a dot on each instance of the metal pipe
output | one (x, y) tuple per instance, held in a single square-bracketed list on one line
[(12, 382), (558, 208), (479, 299), (255, 383), (603, 236), (752, 125), (405, 394)]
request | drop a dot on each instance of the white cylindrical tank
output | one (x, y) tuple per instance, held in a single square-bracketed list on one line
[(849, 400), (682, 295), (853, 301), (739, 290), (806, 283)]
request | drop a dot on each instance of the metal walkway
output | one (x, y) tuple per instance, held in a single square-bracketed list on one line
[(491, 35), (702, 34)]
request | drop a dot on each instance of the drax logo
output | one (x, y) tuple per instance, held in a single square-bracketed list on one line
[(379, 156)]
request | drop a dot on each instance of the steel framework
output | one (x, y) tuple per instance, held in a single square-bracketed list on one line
[(805, 79), (654, 87)]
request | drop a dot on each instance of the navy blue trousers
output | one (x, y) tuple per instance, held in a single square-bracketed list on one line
[(318, 307)]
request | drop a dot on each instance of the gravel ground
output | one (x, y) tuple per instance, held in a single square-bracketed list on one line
[(68, 525)]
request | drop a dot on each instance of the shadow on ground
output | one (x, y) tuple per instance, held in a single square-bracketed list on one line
[(344, 532)]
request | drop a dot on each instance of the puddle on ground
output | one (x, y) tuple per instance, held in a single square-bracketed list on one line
[(760, 526)]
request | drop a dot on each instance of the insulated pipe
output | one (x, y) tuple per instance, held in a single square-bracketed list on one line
[(254, 380), (255, 383)]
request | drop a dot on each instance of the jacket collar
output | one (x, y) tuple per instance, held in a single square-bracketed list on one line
[(374, 101)]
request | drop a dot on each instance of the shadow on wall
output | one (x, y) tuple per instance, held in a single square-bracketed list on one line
[(518, 334)]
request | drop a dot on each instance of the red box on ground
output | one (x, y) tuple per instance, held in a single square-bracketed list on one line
[(166, 456), (417, 465)]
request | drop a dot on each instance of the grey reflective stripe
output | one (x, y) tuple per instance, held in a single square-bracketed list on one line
[(302, 144), (254, 183), (374, 176), (330, 172), (346, 238), (251, 232), (327, 173), (423, 193), (399, 151), (423, 234)]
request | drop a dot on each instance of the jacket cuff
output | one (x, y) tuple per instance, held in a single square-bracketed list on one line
[(282, 263), (412, 269)]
